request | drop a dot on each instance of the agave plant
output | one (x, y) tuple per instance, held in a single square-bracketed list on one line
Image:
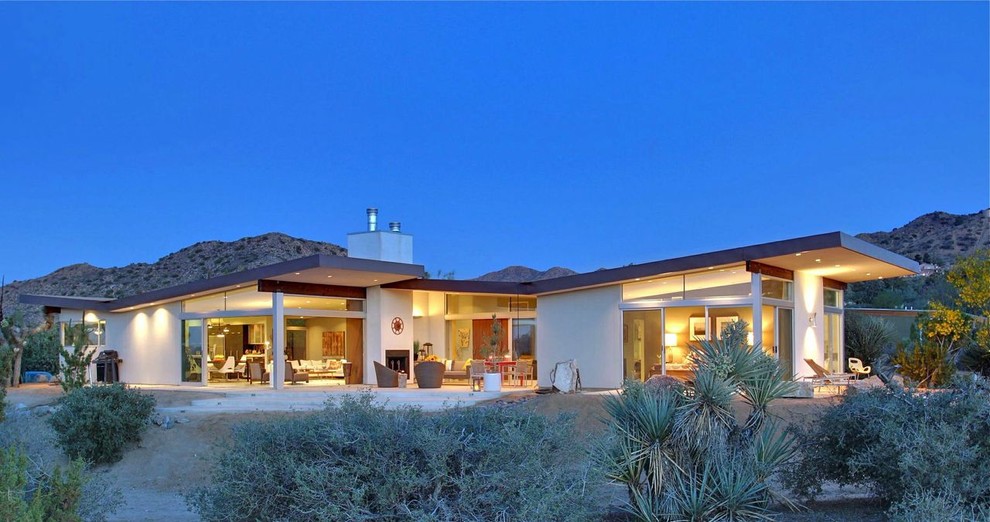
[(683, 455)]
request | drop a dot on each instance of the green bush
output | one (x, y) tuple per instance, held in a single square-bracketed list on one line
[(41, 352), (96, 423), (900, 443), (357, 461), (54, 498)]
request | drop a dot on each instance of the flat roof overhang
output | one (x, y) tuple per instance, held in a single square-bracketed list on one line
[(316, 269), (857, 260)]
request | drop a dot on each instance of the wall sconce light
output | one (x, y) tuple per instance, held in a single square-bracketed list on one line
[(813, 319)]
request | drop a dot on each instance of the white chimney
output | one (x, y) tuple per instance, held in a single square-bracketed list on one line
[(372, 219), (383, 245)]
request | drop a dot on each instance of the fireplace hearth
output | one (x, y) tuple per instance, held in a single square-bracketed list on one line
[(397, 360)]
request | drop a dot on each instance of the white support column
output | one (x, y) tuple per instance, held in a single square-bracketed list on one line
[(278, 340), (757, 294)]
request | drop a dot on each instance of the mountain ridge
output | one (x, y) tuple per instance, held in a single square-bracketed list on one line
[(936, 237)]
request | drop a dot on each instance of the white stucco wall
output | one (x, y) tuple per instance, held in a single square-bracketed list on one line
[(382, 245), (382, 306), (147, 340), (585, 325), (809, 341), (430, 327)]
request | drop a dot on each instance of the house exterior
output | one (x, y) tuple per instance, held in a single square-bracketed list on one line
[(628, 322)]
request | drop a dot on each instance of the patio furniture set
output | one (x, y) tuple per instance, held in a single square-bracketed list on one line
[(253, 369), (432, 374)]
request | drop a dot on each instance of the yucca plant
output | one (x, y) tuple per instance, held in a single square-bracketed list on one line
[(683, 455)]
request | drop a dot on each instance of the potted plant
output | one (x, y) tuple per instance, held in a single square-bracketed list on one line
[(490, 348)]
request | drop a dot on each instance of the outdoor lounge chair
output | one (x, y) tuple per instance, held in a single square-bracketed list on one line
[(856, 366), (824, 377), (386, 377)]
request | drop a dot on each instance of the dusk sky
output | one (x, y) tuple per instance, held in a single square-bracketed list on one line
[(584, 135)]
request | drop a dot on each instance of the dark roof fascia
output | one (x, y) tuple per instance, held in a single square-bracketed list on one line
[(467, 287), (71, 303), (722, 257), (272, 272)]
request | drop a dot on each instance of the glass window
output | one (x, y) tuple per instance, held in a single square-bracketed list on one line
[(310, 302), (833, 298), (723, 282), (774, 288), (662, 288), (524, 338), (833, 342), (241, 299), (191, 358), (458, 304)]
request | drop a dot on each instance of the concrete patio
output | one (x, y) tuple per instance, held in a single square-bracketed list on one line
[(239, 397)]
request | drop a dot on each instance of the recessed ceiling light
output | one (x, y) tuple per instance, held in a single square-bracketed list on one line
[(868, 273), (297, 273), (798, 254), (329, 276), (711, 268), (818, 260), (637, 279), (237, 286), (837, 266), (880, 277), (375, 280)]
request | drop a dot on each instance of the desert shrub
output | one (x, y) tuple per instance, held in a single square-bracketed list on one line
[(925, 364), (866, 337), (684, 456), (357, 461), (54, 498), (96, 423), (927, 506), (900, 443), (930, 360), (34, 439)]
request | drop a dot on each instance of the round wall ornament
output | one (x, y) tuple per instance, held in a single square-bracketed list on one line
[(397, 325)]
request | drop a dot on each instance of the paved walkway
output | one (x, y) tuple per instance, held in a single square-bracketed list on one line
[(240, 398)]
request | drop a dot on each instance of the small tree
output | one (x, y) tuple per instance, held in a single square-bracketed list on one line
[(14, 334), (75, 363), (491, 345)]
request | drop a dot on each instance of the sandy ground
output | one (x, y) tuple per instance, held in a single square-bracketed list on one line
[(153, 476)]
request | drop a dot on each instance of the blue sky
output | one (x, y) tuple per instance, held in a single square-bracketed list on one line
[(585, 135)]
